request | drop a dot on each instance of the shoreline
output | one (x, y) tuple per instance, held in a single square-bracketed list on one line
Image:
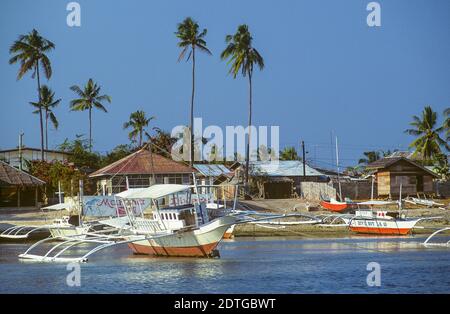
[(282, 206)]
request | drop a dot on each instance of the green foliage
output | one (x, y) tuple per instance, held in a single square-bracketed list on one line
[(30, 50), (88, 98), (190, 38), (138, 122), (428, 141), (370, 157), (441, 167), (54, 172), (162, 142), (289, 153), (240, 52), (80, 155)]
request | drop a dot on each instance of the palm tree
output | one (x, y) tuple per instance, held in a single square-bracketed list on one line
[(138, 121), (47, 104), (30, 50), (243, 57), (89, 97), (428, 141), (190, 40), (289, 153), (369, 157)]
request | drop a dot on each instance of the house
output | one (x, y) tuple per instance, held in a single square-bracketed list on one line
[(283, 178), (391, 172), (216, 174), (140, 169), (13, 156), (18, 188)]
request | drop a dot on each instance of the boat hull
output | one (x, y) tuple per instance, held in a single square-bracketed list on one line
[(382, 227), (193, 243), (335, 207), (229, 233)]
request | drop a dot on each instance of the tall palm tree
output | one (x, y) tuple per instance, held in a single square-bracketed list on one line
[(191, 39), (89, 97), (243, 57), (47, 104), (30, 50), (138, 122), (428, 139)]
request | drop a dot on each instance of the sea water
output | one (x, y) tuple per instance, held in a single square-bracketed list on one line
[(246, 265)]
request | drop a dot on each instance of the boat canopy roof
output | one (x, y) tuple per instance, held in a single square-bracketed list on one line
[(155, 191), (126, 193), (59, 206)]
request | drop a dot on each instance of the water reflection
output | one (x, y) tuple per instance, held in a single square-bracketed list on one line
[(283, 265)]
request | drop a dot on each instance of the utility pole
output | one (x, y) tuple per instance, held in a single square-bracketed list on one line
[(20, 149), (337, 166), (304, 159)]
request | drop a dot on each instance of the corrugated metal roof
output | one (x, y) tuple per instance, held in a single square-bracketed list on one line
[(213, 170), (140, 162), (285, 168), (389, 161)]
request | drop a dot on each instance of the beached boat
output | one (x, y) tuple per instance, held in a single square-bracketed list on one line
[(336, 206)]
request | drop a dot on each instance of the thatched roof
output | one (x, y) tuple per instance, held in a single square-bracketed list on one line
[(13, 176)]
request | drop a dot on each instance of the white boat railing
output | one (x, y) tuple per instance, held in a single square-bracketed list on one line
[(20, 232), (428, 243)]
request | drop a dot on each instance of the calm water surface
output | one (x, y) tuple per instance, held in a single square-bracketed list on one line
[(247, 265)]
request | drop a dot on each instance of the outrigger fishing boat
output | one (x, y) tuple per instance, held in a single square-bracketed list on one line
[(175, 228), (63, 226), (375, 221)]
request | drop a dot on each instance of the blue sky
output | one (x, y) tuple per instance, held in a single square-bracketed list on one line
[(326, 70)]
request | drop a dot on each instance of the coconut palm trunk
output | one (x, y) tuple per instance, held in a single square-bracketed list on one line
[(40, 110), (192, 108), (247, 153), (90, 129), (46, 129)]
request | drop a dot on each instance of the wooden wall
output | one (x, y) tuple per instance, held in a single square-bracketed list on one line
[(405, 174), (383, 183)]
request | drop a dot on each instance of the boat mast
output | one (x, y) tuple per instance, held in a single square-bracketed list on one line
[(198, 197), (337, 166), (81, 203)]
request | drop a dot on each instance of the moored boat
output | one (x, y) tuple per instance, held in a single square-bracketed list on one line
[(381, 222)]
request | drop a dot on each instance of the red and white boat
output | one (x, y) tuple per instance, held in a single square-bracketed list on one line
[(336, 206), (381, 222)]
